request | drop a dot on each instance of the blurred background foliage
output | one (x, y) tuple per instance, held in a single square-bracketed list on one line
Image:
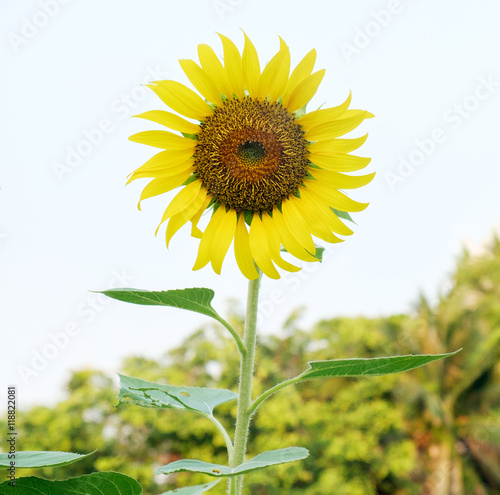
[(432, 431)]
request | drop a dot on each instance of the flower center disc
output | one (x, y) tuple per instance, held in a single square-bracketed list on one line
[(251, 155)]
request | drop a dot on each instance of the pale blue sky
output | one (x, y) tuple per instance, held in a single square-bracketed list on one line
[(428, 70)]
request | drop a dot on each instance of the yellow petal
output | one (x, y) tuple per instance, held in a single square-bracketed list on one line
[(297, 224), (303, 70), (335, 146), (183, 199), (163, 139), (289, 241), (181, 218), (163, 172), (214, 69), (242, 250), (319, 221), (223, 237), (166, 159), (334, 198), (353, 113), (325, 235), (251, 67), (164, 184), (232, 64), (341, 181), (181, 99), (216, 239), (305, 90), (259, 248), (204, 249), (195, 231), (170, 120), (275, 74), (274, 242), (335, 128), (323, 213), (323, 115), (339, 162), (201, 81)]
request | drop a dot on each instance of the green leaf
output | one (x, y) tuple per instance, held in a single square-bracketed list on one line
[(248, 216), (260, 461), (90, 484), (369, 366), (301, 112), (190, 179), (149, 394), (342, 214), (196, 299), (33, 459), (271, 458), (353, 367), (192, 490), (319, 253)]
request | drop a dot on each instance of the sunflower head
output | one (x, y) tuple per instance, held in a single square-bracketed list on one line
[(269, 174)]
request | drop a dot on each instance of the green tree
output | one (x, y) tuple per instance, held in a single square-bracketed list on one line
[(355, 432), (76, 424), (455, 404)]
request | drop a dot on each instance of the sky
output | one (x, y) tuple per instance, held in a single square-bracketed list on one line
[(71, 78)]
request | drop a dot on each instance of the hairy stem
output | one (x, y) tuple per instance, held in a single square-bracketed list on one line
[(232, 331), (257, 402), (227, 440), (245, 392)]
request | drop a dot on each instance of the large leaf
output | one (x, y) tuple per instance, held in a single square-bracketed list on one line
[(196, 299), (260, 461), (33, 459), (368, 366), (192, 490), (149, 394), (90, 484)]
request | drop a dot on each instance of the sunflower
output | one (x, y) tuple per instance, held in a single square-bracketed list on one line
[(246, 151)]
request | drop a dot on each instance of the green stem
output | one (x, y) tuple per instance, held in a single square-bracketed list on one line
[(245, 392), (236, 337), (259, 400), (227, 439)]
